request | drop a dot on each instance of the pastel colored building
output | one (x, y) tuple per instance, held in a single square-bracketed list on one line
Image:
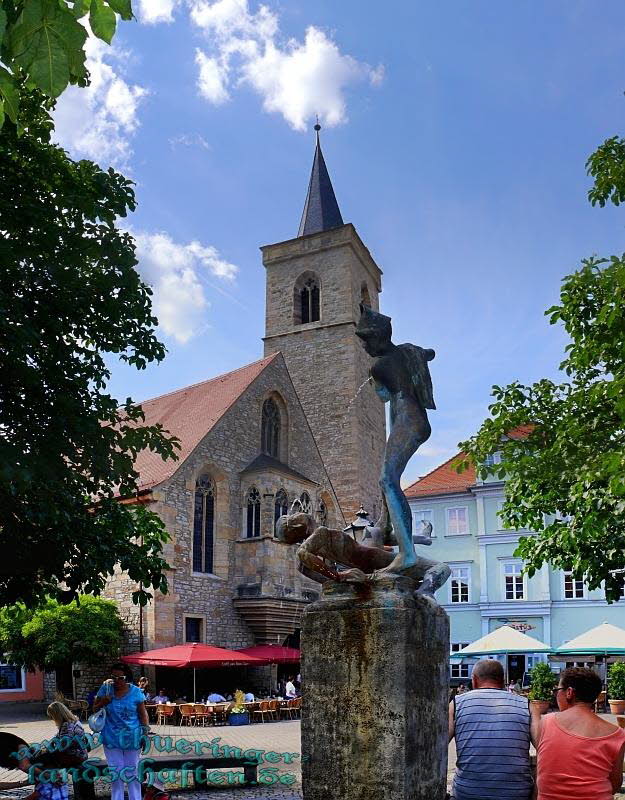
[(17, 685), (487, 588)]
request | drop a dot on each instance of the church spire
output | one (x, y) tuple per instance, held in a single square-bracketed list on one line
[(321, 211)]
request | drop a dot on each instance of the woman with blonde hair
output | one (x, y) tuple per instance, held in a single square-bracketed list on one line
[(69, 726)]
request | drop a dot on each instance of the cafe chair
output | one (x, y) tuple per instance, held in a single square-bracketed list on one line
[(164, 714), (203, 714), (288, 710), (187, 714), (274, 709), (262, 710)]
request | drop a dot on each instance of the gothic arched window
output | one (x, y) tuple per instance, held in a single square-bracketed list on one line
[(323, 514), (253, 513), (365, 299), (304, 501), (309, 299), (270, 429), (203, 524), (281, 506)]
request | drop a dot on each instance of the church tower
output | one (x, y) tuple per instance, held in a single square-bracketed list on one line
[(315, 284)]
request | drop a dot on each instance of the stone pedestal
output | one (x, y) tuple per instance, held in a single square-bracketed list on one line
[(375, 674)]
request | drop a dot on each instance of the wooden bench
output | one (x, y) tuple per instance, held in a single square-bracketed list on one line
[(175, 762)]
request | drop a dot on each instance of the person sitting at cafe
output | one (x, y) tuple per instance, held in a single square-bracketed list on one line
[(290, 688), (161, 697), (215, 697), (249, 697), (143, 684)]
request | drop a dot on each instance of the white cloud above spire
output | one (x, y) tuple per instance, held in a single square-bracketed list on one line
[(295, 78)]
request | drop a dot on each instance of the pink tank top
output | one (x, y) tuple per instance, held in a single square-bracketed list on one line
[(573, 767)]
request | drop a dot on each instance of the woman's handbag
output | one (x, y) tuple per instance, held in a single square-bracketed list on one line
[(97, 720)]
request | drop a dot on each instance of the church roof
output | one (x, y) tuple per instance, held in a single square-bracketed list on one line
[(264, 462), (321, 211), (443, 480), (190, 413)]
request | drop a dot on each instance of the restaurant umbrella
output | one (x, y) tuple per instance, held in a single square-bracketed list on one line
[(503, 641), (195, 655), (273, 653), (605, 639)]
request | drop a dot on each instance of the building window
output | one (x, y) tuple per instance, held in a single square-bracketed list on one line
[(305, 503), (280, 507), (309, 297), (573, 587), (11, 678), (193, 629), (203, 524), (459, 670), (270, 431), (421, 515), (365, 298), (253, 513), (460, 582), (492, 459), (323, 514), (514, 585), (500, 523), (457, 523)]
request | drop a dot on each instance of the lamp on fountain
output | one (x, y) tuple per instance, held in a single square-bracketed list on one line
[(358, 524)]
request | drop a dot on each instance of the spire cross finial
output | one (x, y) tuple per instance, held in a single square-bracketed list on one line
[(317, 125)]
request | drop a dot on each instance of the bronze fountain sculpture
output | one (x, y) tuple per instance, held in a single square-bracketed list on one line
[(401, 376)]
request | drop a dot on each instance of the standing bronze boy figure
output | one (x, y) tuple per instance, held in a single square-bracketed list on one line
[(400, 376)]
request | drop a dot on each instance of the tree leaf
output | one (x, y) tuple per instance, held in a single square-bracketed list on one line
[(10, 94), (47, 42), (122, 7), (102, 20), (80, 8), (1, 113), (3, 24)]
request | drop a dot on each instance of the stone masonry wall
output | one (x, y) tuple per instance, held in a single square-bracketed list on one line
[(326, 360), (224, 454)]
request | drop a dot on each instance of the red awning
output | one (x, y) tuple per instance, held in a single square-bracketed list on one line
[(194, 655), (273, 653)]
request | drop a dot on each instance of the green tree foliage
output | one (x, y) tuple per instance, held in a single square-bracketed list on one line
[(69, 294), (566, 480), (58, 634), (42, 42)]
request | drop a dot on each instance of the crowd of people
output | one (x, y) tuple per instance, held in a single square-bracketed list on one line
[(579, 754)]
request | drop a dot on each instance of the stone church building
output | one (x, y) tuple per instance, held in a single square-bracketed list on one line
[(289, 428)]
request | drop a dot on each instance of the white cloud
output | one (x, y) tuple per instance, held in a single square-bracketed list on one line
[(212, 78), (296, 79), (177, 274), (189, 140), (153, 11), (98, 122)]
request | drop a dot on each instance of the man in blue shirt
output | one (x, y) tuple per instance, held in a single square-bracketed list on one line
[(215, 698), (492, 731), (249, 697)]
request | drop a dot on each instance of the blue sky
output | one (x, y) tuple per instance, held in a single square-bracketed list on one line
[(455, 133)]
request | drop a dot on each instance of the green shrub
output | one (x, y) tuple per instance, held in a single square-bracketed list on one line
[(616, 681), (542, 682)]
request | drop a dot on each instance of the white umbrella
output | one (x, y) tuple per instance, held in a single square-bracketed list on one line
[(604, 639), (503, 641)]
